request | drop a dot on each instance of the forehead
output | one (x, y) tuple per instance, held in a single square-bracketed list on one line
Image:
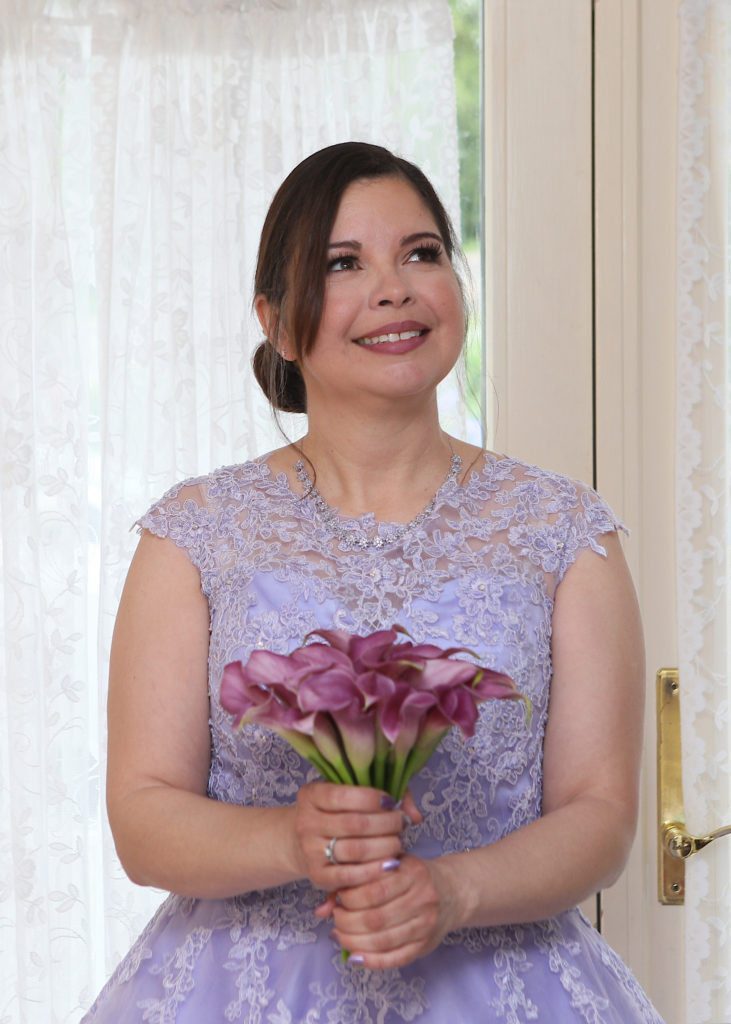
[(382, 205)]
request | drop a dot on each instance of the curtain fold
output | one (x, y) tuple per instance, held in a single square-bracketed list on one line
[(140, 145), (703, 478)]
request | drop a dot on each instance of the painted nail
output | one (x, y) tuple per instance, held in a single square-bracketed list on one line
[(391, 865), (406, 820), (355, 958), (387, 802)]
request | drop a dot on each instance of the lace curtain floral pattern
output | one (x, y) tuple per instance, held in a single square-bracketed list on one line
[(140, 145), (703, 517)]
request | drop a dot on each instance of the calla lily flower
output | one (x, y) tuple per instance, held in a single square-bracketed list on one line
[(330, 690), (367, 710), (375, 687)]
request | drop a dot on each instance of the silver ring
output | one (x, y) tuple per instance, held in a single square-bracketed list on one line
[(330, 851)]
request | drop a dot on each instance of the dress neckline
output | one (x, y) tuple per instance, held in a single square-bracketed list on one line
[(368, 519), (341, 525)]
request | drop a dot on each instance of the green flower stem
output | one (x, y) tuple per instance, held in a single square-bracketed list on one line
[(344, 773), (362, 774), (324, 768), (380, 759), (307, 749), (397, 786), (416, 759)]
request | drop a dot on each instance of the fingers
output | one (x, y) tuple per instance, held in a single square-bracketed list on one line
[(325, 909), (401, 957), (408, 806), (335, 877), (335, 798), (393, 946), (349, 850), (340, 826), (357, 824), (338, 830), (392, 919), (384, 888)]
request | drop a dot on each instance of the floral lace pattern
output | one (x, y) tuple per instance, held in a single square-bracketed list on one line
[(481, 570), (141, 142), (703, 499)]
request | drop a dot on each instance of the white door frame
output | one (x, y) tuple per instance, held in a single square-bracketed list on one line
[(538, 231), (580, 296), (636, 131)]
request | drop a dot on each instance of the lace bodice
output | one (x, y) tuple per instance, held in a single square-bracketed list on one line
[(480, 571)]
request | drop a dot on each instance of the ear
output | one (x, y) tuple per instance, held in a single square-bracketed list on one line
[(267, 319)]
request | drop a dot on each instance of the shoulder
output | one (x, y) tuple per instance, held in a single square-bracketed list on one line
[(549, 516), (546, 490), (201, 496), (196, 513)]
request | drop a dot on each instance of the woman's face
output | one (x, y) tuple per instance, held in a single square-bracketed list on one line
[(393, 321)]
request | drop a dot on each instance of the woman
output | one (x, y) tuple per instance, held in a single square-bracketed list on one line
[(377, 516)]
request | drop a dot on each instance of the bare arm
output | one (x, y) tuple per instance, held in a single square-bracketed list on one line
[(168, 833), (592, 754), (591, 767)]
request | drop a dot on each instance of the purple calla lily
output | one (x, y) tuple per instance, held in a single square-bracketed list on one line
[(330, 690), (363, 709), (375, 687)]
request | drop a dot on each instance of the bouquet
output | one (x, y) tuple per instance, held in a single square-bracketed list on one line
[(364, 710)]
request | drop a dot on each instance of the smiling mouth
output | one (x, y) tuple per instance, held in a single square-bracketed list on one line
[(384, 339)]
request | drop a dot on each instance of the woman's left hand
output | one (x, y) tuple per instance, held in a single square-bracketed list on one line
[(400, 917)]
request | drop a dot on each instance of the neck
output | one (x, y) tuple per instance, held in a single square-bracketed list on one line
[(370, 466)]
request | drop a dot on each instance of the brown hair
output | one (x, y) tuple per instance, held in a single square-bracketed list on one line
[(290, 268)]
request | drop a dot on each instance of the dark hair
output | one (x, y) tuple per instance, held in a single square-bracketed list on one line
[(290, 267)]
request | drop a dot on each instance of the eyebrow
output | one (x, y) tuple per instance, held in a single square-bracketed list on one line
[(350, 243)]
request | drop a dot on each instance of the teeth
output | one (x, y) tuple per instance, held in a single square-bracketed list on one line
[(381, 339)]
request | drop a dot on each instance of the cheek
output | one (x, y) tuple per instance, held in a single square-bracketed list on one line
[(338, 313), (451, 307)]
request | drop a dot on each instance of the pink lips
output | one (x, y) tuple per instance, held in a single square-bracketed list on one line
[(390, 348), (396, 347), (396, 328)]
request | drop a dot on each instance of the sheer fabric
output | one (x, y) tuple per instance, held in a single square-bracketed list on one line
[(140, 145), (703, 500), (481, 570)]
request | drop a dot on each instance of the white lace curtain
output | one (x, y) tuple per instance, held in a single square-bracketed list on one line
[(140, 144), (703, 491)]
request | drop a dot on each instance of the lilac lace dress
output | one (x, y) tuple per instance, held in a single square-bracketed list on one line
[(480, 571)]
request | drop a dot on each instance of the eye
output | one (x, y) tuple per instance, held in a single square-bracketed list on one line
[(429, 252), (339, 263)]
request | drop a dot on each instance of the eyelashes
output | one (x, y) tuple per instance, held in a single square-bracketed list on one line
[(332, 264), (427, 252)]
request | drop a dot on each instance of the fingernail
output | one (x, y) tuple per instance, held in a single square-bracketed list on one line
[(391, 865), (387, 802), (355, 958), (407, 821)]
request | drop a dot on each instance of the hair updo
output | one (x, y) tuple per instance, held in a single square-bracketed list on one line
[(292, 259)]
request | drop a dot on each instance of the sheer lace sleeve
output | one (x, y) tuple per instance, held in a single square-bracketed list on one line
[(590, 517), (184, 515)]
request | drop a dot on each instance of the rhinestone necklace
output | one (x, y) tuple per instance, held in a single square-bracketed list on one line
[(349, 538)]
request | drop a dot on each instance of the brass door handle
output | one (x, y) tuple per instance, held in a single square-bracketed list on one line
[(682, 844), (675, 843)]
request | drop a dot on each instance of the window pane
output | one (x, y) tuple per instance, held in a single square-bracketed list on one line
[(467, 20)]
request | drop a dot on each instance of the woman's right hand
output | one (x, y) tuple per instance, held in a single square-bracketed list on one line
[(365, 824)]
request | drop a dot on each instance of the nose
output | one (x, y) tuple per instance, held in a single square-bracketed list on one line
[(391, 289)]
